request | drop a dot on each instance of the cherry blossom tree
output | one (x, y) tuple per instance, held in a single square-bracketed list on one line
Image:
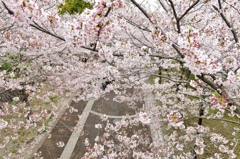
[(184, 53)]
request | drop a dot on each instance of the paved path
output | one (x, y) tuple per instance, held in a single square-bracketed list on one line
[(73, 130), (67, 152), (156, 134)]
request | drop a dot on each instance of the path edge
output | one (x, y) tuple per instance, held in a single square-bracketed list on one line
[(72, 141), (33, 147), (156, 134)]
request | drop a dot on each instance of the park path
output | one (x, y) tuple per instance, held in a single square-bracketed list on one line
[(72, 130)]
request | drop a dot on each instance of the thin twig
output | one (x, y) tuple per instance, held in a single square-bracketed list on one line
[(177, 81), (166, 57)]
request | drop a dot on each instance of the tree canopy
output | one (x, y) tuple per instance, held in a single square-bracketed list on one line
[(185, 55)]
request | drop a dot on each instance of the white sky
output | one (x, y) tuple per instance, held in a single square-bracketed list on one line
[(150, 3)]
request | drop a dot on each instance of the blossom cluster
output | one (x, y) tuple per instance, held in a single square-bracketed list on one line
[(185, 54)]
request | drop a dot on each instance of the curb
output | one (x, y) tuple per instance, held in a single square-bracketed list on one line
[(33, 147)]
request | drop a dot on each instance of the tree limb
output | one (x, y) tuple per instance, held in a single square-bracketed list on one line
[(175, 16), (226, 21), (142, 10), (6, 7), (191, 7), (35, 25)]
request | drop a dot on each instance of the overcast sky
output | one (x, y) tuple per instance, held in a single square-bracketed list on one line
[(152, 3)]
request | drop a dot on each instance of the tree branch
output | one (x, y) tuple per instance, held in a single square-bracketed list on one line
[(191, 7), (9, 10), (100, 29), (208, 82), (175, 16), (166, 57), (7, 28), (177, 81), (226, 21), (178, 50), (164, 7), (136, 25), (35, 25), (88, 48), (142, 10)]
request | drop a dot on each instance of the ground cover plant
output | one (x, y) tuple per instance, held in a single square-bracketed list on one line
[(22, 122), (184, 53)]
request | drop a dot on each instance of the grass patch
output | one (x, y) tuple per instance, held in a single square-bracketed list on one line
[(221, 126), (26, 122)]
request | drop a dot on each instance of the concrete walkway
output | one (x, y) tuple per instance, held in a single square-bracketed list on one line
[(67, 152), (72, 130)]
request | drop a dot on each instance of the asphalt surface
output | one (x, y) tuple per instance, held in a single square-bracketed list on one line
[(68, 124)]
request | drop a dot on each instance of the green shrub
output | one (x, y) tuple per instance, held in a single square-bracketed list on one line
[(73, 6)]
